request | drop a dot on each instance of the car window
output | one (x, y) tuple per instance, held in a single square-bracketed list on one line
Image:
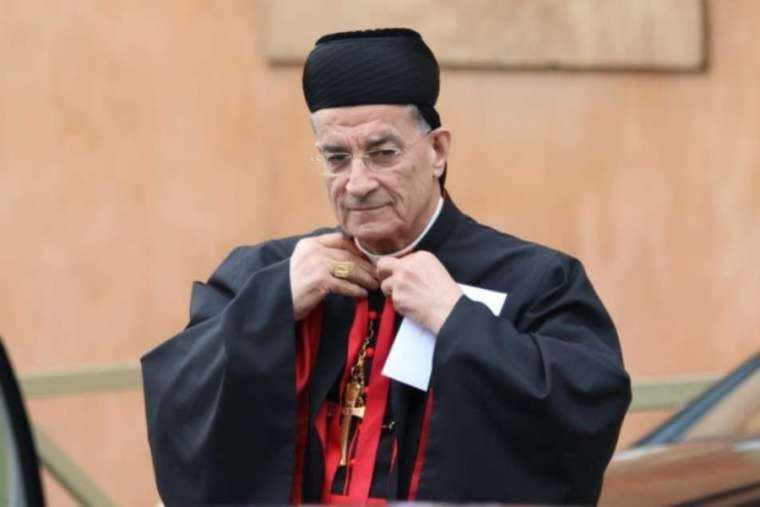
[(737, 414)]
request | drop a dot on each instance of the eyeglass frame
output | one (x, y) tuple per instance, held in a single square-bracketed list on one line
[(364, 155)]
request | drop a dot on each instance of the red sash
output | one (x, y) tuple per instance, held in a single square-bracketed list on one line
[(364, 445)]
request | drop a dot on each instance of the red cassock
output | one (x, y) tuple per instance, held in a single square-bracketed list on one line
[(354, 481)]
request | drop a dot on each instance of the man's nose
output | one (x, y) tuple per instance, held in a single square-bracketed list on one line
[(361, 181)]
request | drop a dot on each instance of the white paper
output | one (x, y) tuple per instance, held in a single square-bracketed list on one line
[(410, 359)]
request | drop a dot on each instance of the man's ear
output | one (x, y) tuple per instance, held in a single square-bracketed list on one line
[(441, 146)]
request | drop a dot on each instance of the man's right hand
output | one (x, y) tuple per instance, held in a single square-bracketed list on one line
[(311, 271)]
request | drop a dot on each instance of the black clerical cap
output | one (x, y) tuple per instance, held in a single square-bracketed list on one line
[(381, 66)]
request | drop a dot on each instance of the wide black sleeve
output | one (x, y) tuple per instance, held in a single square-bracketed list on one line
[(220, 396), (531, 408)]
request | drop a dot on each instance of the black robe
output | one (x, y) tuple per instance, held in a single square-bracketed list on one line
[(527, 405)]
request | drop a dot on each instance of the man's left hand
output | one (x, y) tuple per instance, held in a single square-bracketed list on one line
[(420, 287)]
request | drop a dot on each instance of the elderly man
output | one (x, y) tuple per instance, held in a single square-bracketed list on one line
[(283, 387)]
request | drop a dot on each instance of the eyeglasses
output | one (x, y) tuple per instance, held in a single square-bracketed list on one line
[(376, 159)]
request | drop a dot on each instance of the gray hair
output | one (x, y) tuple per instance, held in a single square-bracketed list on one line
[(422, 125)]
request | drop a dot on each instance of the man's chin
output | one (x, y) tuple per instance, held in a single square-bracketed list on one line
[(368, 224), (369, 233)]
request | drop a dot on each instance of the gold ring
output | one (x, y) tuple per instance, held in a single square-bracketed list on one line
[(342, 269)]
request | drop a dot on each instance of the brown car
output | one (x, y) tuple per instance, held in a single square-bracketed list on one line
[(706, 454)]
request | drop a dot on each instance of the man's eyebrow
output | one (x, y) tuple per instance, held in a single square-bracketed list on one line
[(332, 147), (380, 140), (373, 142)]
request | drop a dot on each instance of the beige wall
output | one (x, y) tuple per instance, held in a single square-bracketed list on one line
[(141, 141)]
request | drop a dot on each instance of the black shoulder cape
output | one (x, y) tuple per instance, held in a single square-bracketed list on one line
[(528, 405)]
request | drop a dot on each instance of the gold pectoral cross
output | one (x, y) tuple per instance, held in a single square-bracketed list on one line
[(353, 406)]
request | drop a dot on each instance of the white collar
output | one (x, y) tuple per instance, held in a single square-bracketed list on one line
[(373, 258)]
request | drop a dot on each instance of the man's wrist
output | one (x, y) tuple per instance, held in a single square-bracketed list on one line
[(442, 314)]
